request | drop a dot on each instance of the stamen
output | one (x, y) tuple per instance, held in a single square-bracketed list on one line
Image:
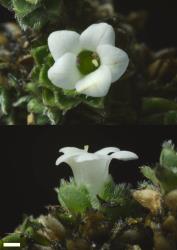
[(88, 62), (95, 63), (86, 148)]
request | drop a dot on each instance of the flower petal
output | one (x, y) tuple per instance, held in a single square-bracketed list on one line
[(69, 154), (71, 150), (64, 72), (61, 42), (64, 158), (124, 156), (106, 151), (116, 59), (92, 173), (96, 35), (85, 157), (96, 84)]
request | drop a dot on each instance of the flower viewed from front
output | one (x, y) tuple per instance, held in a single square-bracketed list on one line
[(92, 169), (87, 63)]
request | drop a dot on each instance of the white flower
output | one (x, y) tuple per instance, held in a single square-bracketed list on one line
[(89, 62), (92, 169)]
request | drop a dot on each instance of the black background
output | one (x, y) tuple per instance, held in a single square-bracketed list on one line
[(160, 29), (28, 172)]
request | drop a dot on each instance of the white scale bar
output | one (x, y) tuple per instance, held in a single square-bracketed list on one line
[(11, 244)]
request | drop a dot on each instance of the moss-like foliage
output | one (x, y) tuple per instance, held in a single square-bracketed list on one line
[(74, 199), (34, 14), (165, 173), (119, 217)]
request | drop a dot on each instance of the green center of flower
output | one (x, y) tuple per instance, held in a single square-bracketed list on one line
[(87, 62)]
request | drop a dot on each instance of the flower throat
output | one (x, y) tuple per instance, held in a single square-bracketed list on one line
[(88, 62)]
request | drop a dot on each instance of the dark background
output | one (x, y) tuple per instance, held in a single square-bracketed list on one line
[(28, 172), (160, 30)]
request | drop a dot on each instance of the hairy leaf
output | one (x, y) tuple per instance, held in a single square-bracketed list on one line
[(149, 173)]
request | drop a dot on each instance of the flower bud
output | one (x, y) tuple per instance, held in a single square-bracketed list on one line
[(168, 157), (171, 200), (162, 243), (54, 229), (170, 225), (148, 198)]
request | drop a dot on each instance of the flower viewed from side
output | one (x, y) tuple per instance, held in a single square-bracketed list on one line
[(87, 63), (92, 169)]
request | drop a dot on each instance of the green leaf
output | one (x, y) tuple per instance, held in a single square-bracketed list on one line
[(167, 178), (108, 190), (48, 98), (65, 103), (34, 13), (4, 65), (94, 102), (15, 238), (35, 106), (118, 201), (43, 77), (56, 98), (32, 233), (149, 173), (35, 73), (170, 118), (33, 88), (6, 3), (40, 54), (41, 119), (1, 245), (22, 100), (30, 222), (5, 101), (33, 1), (151, 105), (13, 81), (73, 198), (115, 193), (168, 156), (23, 8), (35, 20), (54, 115), (30, 228), (70, 92)]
